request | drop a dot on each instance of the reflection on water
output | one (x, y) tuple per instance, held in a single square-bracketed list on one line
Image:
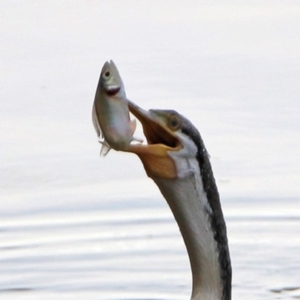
[(135, 252)]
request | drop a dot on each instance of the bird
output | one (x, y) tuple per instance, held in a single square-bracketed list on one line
[(176, 159)]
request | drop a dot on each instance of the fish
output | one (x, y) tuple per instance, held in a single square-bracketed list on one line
[(110, 113)]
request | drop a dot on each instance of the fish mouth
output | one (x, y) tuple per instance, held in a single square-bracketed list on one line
[(112, 90), (161, 141)]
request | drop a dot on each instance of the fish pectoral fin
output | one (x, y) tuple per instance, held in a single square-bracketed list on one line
[(133, 128), (132, 125), (105, 148), (137, 139)]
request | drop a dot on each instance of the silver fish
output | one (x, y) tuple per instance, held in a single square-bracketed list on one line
[(110, 111)]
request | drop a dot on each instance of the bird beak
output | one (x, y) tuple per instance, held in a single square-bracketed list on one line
[(160, 141)]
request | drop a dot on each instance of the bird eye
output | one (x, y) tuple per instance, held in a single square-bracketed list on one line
[(174, 122)]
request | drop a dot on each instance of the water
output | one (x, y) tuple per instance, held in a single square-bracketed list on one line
[(131, 249), (76, 226)]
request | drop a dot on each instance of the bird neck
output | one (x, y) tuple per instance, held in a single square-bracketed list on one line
[(188, 201)]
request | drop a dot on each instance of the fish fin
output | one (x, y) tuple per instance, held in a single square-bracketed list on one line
[(133, 125), (96, 123), (133, 128), (137, 139), (105, 148)]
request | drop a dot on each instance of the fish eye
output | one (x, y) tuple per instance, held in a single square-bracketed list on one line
[(174, 122), (107, 74)]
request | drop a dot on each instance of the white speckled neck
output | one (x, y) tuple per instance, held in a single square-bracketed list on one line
[(188, 202)]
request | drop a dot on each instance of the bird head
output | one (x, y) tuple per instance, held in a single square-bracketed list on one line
[(170, 142)]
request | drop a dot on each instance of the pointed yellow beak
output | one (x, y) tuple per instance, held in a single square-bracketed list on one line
[(160, 141)]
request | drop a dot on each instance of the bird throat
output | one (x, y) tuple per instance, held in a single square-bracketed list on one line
[(188, 202)]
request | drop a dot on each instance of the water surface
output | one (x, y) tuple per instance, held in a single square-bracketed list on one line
[(73, 225)]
